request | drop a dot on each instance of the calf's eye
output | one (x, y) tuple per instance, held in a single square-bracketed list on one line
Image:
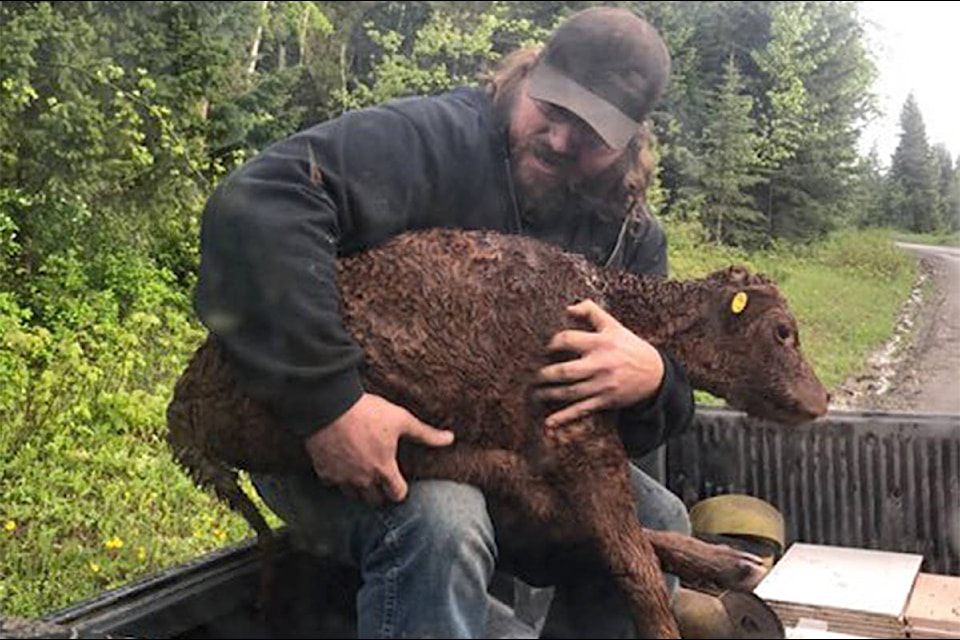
[(784, 332)]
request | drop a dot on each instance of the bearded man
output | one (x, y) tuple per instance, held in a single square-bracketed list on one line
[(554, 146)]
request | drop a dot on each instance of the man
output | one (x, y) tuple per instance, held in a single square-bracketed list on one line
[(552, 148)]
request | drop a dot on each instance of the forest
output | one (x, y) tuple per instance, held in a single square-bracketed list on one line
[(118, 119)]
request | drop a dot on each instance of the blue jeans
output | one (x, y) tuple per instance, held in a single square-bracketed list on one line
[(426, 563)]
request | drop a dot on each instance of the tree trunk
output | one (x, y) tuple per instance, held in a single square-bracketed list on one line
[(302, 37), (255, 45), (343, 74)]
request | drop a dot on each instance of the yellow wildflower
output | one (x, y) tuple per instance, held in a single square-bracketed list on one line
[(141, 554), (94, 567), (10, 525), (113, 543)]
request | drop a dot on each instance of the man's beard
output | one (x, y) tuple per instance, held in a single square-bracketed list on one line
[(535, 191), (542, 198), (564, 194)]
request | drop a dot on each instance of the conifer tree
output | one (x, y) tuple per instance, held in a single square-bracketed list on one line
[(730, 162), (913, 179)]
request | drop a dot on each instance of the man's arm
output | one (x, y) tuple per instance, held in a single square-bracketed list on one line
[(267, 288), (648, 424)]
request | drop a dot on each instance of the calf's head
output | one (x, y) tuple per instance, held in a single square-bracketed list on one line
[(746, 349)]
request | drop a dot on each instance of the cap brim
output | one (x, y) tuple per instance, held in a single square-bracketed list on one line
[(615, 127)]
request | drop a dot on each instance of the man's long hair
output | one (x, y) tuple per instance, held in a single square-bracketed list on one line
[(623, 188)]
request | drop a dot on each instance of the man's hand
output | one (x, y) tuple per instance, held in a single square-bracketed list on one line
[(615, 368), (358, 450)]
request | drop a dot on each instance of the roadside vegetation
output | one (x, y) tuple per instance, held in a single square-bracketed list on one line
[(118, 119)]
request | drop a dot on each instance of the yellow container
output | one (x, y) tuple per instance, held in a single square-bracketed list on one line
[(739, 515)]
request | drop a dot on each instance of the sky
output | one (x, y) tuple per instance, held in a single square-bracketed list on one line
[(916, 46)]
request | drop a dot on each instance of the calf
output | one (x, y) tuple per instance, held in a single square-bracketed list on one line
[(457, 339)]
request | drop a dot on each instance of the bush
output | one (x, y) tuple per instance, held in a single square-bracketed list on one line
[(870, 254)]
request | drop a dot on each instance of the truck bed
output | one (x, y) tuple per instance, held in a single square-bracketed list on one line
[(862, 480)]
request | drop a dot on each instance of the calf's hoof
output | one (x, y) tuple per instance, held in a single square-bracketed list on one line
[(739, 570)]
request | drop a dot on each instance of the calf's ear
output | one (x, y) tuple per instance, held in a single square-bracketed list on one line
[(739, 304)]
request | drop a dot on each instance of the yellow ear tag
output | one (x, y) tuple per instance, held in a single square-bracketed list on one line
[(739, 302)]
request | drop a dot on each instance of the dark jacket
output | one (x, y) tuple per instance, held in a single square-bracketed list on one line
[(273, 228)]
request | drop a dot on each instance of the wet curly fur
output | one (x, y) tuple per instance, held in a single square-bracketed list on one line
[(456, 338)]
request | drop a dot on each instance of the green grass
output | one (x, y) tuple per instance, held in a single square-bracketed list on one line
[(91, 513), (91, 499)]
